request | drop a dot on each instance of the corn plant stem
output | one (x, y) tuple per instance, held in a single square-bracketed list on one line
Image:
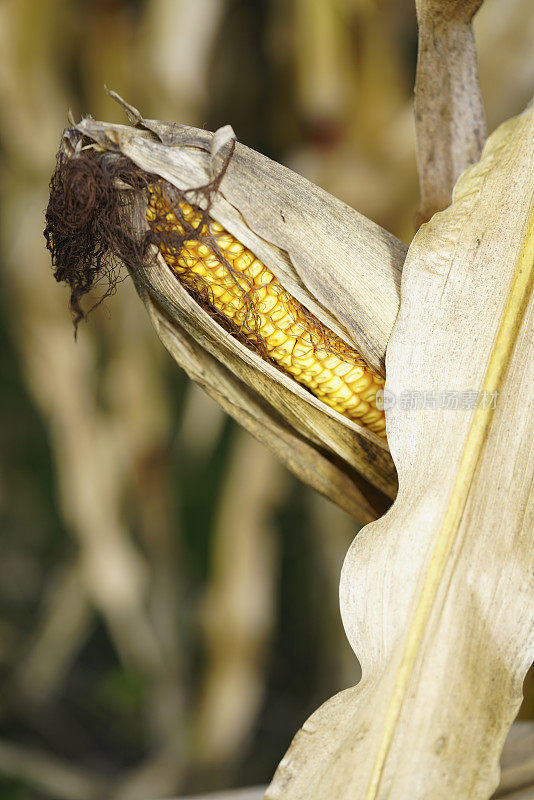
[(449, 114)]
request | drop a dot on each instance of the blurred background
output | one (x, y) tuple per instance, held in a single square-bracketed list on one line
[(168, 592)]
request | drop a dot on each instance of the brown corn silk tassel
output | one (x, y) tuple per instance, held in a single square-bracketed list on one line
[(238, 287)]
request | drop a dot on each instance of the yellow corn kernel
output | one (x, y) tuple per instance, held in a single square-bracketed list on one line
[(250, 296)]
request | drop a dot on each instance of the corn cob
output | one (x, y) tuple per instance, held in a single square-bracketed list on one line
[(247, 294)]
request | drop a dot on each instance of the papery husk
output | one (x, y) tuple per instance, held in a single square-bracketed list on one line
[(339, 265), (437, 597)]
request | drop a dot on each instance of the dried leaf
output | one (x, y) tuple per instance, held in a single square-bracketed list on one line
[(437, 597)]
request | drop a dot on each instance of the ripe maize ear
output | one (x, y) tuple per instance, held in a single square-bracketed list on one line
[(240, 288)]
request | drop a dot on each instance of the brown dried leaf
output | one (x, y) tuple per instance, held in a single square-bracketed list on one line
[(437, 596)]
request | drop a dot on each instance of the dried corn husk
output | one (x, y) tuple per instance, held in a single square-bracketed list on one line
[(339, 265), (438, 596)]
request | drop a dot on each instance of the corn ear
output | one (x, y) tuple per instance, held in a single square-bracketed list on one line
[(335, 271), (245, 292)]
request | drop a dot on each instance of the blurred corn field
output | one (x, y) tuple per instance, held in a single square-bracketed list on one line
[(168, 591)]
